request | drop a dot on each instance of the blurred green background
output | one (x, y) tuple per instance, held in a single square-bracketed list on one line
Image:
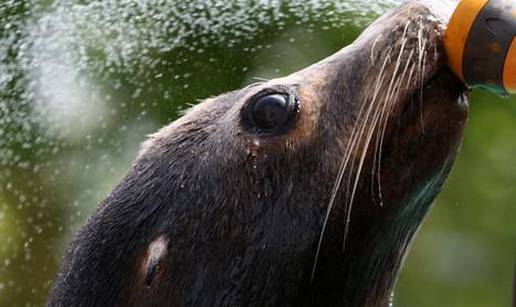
[(83, 82)]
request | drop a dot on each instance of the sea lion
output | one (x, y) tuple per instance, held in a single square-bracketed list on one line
[(304, 190)]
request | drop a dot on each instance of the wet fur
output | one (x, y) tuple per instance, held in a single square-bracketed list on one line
[(243, 215)]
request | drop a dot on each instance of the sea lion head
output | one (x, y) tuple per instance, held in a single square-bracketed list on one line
[(300, 190)]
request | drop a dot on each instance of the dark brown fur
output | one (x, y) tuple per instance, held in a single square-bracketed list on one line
[(242, 213)]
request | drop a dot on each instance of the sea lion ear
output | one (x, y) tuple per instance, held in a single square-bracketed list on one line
[(156, 252)]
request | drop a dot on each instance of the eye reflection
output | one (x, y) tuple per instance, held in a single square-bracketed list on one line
[(271, 114)]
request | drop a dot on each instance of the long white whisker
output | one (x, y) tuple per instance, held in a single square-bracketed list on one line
[(353, 142), (421, 93), (367, 142), (421, 69), (385, 120), (377, 153), (373, 50)]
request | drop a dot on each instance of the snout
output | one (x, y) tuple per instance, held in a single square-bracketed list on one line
[(407, 40)]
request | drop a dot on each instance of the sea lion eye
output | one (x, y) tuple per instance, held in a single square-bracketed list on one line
[(271, 114)]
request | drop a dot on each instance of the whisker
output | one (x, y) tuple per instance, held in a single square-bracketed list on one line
[(421, 63), (373, 50), (421, 94), (353, 142), (377, 153), (376, 120), (369, 134), (385, 120)]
